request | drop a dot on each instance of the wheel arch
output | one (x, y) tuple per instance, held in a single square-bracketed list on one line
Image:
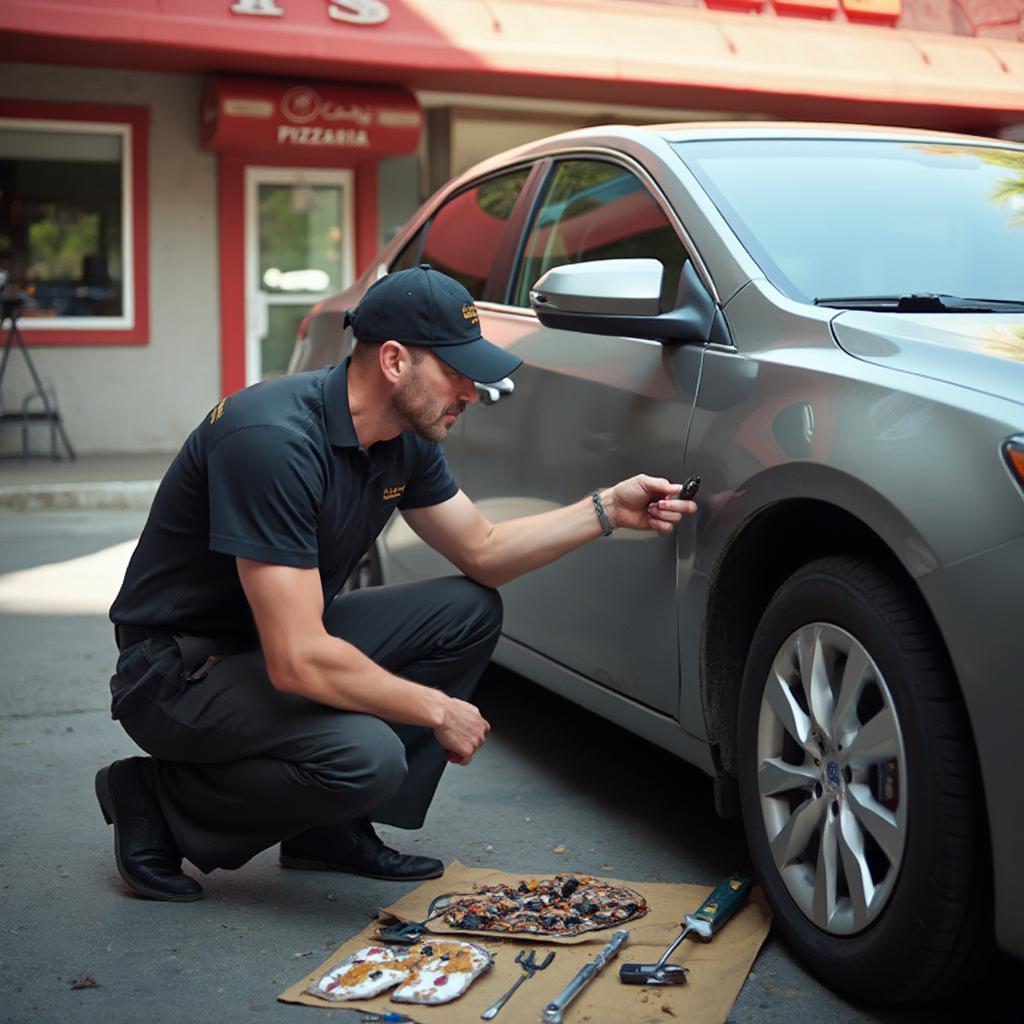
[(761, 554)]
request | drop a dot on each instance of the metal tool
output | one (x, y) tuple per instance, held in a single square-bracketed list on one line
[(724, 900), (528, 962), (405, 933), (553, 1011)]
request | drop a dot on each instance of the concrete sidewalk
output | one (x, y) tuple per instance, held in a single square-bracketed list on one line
[(112, 481)]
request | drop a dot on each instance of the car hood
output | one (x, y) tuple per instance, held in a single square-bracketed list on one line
[(983, 352)]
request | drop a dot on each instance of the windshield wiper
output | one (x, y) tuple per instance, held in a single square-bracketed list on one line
[(922, 302)]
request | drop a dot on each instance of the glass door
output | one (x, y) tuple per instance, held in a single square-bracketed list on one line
[(299, 249)]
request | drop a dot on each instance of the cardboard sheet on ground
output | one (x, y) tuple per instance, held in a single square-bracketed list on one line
[(717, 969)]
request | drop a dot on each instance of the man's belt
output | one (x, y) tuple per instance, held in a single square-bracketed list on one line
[(126, 635)]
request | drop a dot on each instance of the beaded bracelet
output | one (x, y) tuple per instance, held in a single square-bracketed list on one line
[(602, 517)]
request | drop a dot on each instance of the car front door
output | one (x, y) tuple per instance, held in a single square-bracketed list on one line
[(587, 411)]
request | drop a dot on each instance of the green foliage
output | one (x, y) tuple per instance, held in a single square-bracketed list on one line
[(1008, 190), (497, 196), (58, 243), (578, 176), (299, 235)]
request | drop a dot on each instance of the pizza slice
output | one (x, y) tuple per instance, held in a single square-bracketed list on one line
[(367, 972), (443, 971)]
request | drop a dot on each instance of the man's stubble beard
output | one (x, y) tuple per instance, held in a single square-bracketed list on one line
[(419, 412)]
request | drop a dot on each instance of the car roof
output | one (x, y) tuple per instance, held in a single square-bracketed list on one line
[(630, 137), (806, 129)]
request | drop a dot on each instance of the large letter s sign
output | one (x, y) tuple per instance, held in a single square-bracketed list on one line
[(359, 12)]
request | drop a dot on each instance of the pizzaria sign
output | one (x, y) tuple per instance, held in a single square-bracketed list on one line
[(250, 116)]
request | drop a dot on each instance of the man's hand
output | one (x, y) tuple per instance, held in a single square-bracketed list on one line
[(462, 731), (646, 503)]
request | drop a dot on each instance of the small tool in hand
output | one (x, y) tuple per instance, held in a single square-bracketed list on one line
[(689, 488), (528, 962), (725, 899), (553, 1011)]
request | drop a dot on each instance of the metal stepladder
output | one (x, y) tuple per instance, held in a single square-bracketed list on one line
[(39, 406)]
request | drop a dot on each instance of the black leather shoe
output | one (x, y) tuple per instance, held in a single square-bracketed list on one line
[(357, 850), (147, 857)]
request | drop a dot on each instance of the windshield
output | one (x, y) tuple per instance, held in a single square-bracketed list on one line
[(835, 217)]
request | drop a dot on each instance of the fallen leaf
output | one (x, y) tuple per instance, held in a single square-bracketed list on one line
[(559, 849), (665, 1008), (85, 981), (296, 956)]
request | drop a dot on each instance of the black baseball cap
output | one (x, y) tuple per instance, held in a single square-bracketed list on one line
[(422, 306)]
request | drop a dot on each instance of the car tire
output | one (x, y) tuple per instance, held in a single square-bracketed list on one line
[(859, 791), (367, 573)]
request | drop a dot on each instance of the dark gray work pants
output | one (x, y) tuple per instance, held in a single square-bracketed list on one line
[(238, 765)]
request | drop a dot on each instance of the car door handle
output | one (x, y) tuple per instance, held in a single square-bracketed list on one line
[(490, 393)]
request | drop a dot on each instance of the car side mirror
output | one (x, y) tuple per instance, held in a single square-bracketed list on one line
[(624, 297)]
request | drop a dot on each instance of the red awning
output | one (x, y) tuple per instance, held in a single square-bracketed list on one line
[(598, 50)]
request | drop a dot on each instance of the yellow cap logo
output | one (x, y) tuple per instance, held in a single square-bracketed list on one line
[(470, 313)]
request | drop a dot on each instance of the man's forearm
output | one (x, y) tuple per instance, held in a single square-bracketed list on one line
[(494, 553), (333, 672), (518, 546)]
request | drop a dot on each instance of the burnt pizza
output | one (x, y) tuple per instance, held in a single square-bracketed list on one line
[(562, 905)]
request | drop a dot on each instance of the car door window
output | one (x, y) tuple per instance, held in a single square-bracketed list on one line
[(464, 235), (410, 255), (597, 210)]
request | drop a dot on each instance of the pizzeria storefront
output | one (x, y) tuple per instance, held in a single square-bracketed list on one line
[(177, 188)]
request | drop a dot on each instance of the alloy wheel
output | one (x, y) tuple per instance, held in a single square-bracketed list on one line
[(832, 778)]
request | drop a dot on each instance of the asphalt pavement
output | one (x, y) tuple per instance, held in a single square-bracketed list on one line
[(77, 947)]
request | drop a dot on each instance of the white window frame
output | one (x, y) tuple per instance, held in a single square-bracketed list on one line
[(91, 323)]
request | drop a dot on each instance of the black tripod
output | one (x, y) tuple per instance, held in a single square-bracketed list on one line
[(27, 416)]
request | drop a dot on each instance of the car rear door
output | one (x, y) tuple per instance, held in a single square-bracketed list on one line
[(587, 411)]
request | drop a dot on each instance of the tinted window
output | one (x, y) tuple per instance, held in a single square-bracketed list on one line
[(410, 255), (464, 235), (594, 210), (829, 218)]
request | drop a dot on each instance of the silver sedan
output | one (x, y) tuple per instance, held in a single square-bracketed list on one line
[(826, 324)]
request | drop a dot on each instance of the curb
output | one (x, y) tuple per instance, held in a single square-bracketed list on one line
[(120, 494)]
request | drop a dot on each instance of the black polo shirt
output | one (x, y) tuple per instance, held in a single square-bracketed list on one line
[(274, 473)]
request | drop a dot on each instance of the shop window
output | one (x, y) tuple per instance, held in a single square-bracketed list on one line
[(465, 233), (73, 221), (594, 210)]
